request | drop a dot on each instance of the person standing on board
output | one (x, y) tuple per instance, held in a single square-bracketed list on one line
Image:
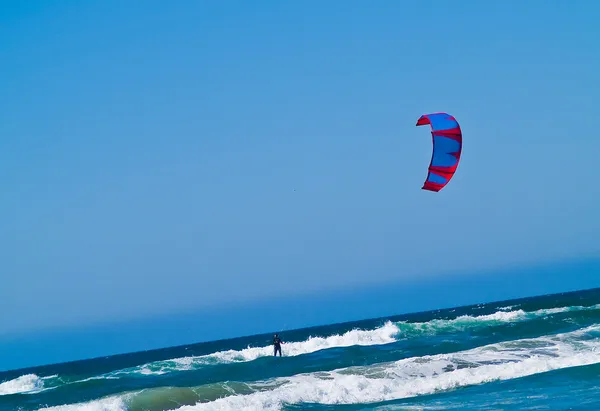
[(276, 345)]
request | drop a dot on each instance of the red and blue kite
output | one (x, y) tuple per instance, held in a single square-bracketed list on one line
[(447, 147)]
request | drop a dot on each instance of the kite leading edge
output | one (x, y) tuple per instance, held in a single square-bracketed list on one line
[(447, 148)]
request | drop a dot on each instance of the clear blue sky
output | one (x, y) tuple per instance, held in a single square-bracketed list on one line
[(165, 156)]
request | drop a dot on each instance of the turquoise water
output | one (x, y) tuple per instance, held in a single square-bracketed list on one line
[(535, 353)]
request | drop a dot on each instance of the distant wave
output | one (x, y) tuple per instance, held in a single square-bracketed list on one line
[(467, 321), (405, 378), (29, 383), (33, 384)]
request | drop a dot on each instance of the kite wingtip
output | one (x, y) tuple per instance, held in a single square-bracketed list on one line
[(423, 120)]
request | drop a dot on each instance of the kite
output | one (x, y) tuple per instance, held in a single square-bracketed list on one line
[(447, 147)]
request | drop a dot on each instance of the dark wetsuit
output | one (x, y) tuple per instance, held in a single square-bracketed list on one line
[(276, 346)]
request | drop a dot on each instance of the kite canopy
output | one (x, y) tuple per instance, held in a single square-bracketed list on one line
[(447, 147)]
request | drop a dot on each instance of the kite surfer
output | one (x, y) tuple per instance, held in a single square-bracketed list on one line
[(277, 345)]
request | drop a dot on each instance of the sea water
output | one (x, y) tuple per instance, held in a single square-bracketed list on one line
[(540, 353)]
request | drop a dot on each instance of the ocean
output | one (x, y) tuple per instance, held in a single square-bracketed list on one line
[(538, 353)]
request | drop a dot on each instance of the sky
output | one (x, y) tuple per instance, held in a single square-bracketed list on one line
[(165, 157)]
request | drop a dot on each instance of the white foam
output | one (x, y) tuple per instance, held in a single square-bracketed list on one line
[(23, 384), (420, 375)]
